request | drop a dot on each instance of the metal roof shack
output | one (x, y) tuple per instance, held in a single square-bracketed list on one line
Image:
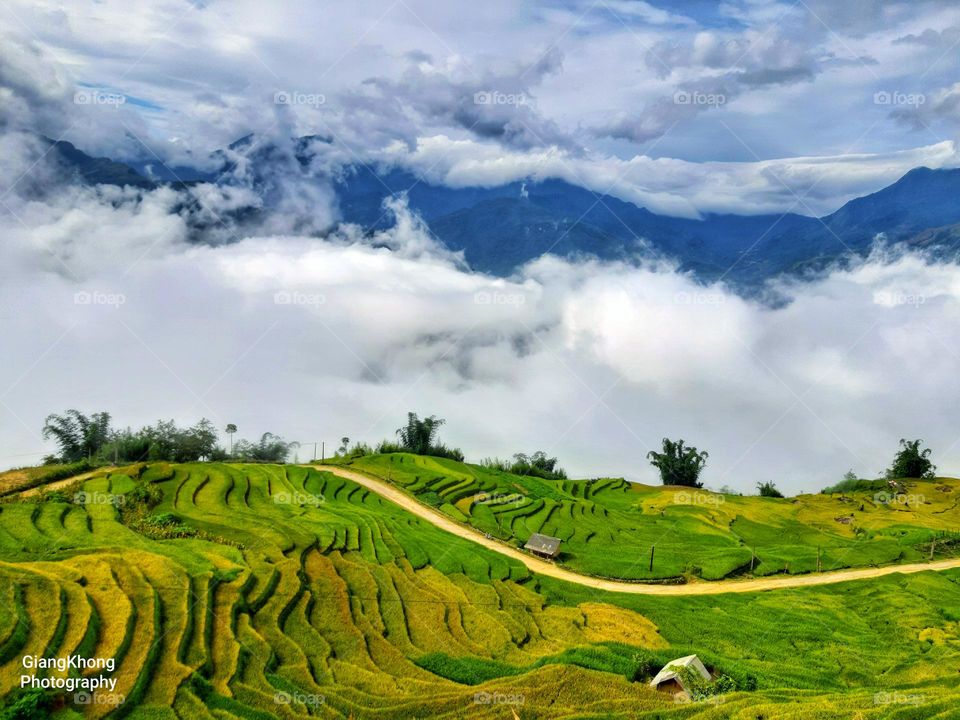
[(543, 545), (669, 680)]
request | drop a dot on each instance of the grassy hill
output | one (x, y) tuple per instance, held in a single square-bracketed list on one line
[(258, 591), (608, 525)]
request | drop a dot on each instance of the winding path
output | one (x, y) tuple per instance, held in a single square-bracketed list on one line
[(543, 567)]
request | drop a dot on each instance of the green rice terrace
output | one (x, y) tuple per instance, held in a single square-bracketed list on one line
[(262, 591), (608, 526)]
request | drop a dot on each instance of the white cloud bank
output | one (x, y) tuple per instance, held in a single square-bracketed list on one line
[(668, 186), (591, 362)]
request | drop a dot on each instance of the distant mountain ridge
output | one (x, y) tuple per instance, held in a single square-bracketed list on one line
[(500, 228)]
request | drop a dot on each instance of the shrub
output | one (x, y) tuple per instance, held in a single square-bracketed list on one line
[(28, 705), (849, 485), (535, 465)]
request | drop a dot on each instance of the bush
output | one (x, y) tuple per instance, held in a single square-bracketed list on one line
[(850, 485), (386, 447), (535, 465), (145, 495), (162, 520), (28, 705), (700, 688), (768, 489), (441, 450)]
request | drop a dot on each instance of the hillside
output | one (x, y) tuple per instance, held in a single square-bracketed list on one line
[(260, 591), (608, 525)]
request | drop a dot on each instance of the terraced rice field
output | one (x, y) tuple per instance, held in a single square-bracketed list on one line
[(608, 526), (304, 595)]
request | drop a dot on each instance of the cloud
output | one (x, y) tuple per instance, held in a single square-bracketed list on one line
[(921, 111), (594, 362), (593, 78), (805, 185), (942, 39), (486, 102), (315, 330)]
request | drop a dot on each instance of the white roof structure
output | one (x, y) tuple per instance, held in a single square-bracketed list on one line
[(669, 672)]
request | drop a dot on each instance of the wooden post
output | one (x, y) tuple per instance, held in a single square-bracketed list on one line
[(652, 548), (819, 566), (753, 556), (933, 544)]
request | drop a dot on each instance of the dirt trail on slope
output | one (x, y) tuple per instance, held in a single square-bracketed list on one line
[(544, 567), (60, 484)]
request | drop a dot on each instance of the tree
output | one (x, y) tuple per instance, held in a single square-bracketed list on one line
[(344, 445), (768, 489), (679, 464), (196, 442), (230, 430), (79, 436), (418, 435), (270, 448), (911, 462)]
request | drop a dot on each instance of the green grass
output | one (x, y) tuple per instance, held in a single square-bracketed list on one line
[(608, 526), (305, 586)]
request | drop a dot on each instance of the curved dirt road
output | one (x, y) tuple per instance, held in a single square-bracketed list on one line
[(544, 567)]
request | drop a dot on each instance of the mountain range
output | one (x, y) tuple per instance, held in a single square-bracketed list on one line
[(500, 228)]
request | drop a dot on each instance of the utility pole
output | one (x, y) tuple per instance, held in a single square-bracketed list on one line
[(314, 452), (323, 452)]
